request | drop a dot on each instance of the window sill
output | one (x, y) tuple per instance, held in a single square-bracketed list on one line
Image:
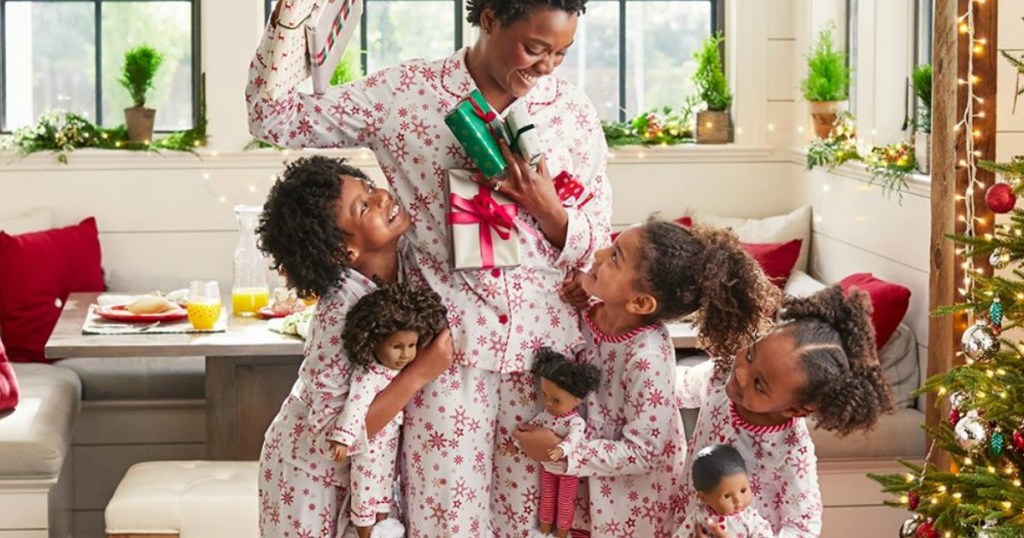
[(919, 184), (689, 153)]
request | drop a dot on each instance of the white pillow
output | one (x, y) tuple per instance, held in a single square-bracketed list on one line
[(778, 229), (34, 220)]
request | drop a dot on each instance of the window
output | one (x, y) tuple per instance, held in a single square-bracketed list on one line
[(653, 61), (392, 31), (68, 54)]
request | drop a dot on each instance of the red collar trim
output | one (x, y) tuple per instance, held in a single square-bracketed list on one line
[(618, 339), (739, 422)]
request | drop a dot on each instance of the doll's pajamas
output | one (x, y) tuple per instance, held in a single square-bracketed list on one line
[(373, 475), (557, 498)]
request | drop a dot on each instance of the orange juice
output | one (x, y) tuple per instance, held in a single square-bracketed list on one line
[(246, 301), (203, 315)]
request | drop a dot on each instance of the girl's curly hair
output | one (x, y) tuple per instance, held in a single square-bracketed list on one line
[(576, 378), (298, 227), (387, 310), (706, 273), (835, 342), (509, 11)]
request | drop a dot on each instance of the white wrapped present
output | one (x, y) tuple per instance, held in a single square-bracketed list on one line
[(287, 57), (483, 224), (328, 31)]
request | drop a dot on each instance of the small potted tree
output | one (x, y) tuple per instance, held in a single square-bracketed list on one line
[(712, 88), (921, 80), (140, 65), (827, 86)]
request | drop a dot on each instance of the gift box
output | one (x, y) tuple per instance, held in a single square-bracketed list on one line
[(328, 31), (288, 55), (523, 136), (477, 127), (483, 224)]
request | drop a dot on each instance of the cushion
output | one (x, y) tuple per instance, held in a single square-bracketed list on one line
[(895, 436), (8, 383), (901, 367), (30, 221), (36, 436), (777, 229), (139, 378), (776, 259), (37, 272), (890, 302)]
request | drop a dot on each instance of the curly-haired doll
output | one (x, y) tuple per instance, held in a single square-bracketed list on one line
[(382, 334), (820, 360), (330, 232), (563, 384), (653, 272), (723, 487)]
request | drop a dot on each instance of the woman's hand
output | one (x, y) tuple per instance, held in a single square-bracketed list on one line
[(536, 442), (714, 530), (572, 291), (433, 359)]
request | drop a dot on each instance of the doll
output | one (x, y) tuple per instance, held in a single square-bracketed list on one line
[(382, 334), (562, 385), (720, 479)]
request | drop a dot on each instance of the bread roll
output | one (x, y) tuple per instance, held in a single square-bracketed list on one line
[(150, 304)]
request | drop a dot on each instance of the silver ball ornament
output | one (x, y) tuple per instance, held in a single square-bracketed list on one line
[(957, 400), (970, 432), (999, 258), (979, 343), (909, 528)]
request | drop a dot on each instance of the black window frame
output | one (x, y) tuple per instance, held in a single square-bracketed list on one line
[(98, 14)]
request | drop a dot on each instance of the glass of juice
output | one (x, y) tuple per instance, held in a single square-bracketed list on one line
[(204, 304), (246, 302)]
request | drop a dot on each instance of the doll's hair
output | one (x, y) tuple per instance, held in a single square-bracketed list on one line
[(509, 11), (706, 273), (576, 378), (835, 342), (387, 310), (298, 227), (713, 463)]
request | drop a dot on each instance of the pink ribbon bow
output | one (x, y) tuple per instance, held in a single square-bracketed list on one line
[(484, 210)]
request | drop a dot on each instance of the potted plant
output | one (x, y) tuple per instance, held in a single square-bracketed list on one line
[(921, 81), (140, 65), (827, 86), (712, 88)]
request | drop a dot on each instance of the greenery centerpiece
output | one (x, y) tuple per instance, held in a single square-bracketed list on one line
[(921, 82), (827, 86), (140, 66), (713, 124)]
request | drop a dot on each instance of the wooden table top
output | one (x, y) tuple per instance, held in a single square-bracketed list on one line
[(244, 337)]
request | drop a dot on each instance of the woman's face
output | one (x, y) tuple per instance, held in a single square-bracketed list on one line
[(767, 377), (519, 54), (371, 217)]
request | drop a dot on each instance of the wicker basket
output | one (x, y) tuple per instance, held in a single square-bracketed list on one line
[(712, 127)]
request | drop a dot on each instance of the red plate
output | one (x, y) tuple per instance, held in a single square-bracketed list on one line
[(119, 313), (268, 313)]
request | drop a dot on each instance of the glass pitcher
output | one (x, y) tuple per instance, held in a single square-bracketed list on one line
[(249, 289)]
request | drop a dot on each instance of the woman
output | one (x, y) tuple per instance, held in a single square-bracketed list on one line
[(463, 475)]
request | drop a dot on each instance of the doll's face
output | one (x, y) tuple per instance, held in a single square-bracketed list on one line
[(732, 494), (398, 349), (557, 401)]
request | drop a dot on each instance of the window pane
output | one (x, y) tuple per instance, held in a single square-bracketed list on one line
[(400, 30), (50, 60), (592, 63), (661, 40), (165, 26)]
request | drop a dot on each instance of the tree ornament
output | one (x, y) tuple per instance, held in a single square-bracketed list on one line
[(913, 500), (909, 528), (984, 531), (1000, 198), (999, 258), (957, 400), (927, 530), (996, 444), (1017, 441), (970, 432), (954, 416), (979, 342), (995, 316)]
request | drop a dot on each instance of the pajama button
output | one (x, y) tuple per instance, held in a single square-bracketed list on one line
[(503, 319), (496, 273)]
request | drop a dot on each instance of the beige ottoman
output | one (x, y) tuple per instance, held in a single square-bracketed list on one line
[(188, 499)]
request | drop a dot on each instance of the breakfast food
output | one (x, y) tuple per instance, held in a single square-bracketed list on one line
[(151, 304)]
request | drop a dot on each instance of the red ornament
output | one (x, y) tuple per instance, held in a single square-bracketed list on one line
[(1017, 441), (1000, 198), (954, 416), (913, 500), (927, 530)]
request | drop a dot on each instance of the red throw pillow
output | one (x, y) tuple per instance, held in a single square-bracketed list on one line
[(682, 221), (890, 302), (37, 272), (776, 259), (8, 383)]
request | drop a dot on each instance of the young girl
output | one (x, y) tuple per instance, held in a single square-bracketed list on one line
[(651, 273), (381, 335), (821, 361), (723, 487), (329, 231), (562, 385)]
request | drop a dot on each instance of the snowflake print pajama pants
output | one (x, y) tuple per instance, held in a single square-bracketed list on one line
[(373, 476), (295, 504)]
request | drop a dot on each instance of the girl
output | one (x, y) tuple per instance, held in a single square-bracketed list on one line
[(651, 273), (723, 487), (821, 361), (328, 231), (562, 385), (381, 335)]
